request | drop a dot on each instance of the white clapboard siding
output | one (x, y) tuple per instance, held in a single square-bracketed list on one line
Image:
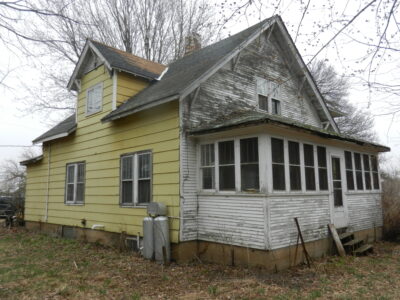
[(365, 211), (235, 220)]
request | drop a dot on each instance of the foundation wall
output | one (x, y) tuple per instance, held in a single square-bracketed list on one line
[(185, 252)]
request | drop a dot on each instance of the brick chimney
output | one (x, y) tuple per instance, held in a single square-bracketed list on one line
[(192, 43)]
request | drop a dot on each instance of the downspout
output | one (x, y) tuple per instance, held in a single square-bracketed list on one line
[(48, 185)]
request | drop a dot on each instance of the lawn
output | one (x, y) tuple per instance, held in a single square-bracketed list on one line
[(35, 266)]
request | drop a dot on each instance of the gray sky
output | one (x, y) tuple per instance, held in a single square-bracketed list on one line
[(348, 57)]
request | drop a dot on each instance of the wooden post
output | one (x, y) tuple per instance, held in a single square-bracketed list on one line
[(337, 240), (308, 258)]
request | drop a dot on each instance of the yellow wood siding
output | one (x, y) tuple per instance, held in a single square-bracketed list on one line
[(100, 146)]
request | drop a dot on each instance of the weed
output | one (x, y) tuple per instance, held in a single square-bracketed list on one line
[(136, 296), (213, 290)]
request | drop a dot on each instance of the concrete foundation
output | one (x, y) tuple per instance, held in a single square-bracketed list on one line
[(185, 252)]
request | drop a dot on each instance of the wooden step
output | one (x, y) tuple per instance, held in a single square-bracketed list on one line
[(363, 249), (352, 243), (345, 235)]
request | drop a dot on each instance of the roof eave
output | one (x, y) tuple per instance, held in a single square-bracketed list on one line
[(54, 137), (31, 161)]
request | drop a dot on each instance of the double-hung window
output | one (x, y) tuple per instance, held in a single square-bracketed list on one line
[(278, 164), (249, 164), (294, 166), (136, 174), (349, 170), (226, 159), (309, 166), (322, 169), (207, 166), (367, 171), (375, 175), (267, 94), (75, 183), (358, 168), (94, 99)]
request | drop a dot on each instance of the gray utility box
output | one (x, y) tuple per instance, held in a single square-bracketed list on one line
[(156, 209)]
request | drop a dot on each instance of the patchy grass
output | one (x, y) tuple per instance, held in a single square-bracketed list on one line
[(35, 266)]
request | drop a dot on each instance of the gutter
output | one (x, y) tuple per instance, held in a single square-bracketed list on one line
[(48, 187)]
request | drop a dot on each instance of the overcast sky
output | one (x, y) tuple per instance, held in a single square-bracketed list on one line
[(18, 127)]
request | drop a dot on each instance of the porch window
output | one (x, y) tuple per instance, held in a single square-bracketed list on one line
[(322, 169), (94, 99), (136, 173), (375, 175), (278, 164), (357, 165), (207, 166), (349, 170), (309, 167), (294, 166), (367, 172), (249, 164), (276, 106), (75, 183), (226, 156)]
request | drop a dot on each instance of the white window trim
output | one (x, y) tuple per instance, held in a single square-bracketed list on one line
[(364, 190), (98, 85), (135, 180), (269, 96), (75, 183)]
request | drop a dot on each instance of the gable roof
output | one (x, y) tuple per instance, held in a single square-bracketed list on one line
[(187, 70), (119, 60), (62, 129), (184, 75)]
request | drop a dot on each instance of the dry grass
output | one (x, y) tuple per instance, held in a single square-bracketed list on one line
[(34, 266)]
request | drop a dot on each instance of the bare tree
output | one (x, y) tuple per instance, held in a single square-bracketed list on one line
[(335, 90)]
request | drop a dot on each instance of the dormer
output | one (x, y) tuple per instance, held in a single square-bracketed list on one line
[(105, 77)]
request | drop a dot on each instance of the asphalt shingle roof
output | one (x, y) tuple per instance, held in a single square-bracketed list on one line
[(185, 71), (128, 62), (65, 127)]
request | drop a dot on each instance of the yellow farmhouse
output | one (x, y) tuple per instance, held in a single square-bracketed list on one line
[(234, 138)]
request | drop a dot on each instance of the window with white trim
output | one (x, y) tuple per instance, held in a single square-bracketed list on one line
[(358, 169), (75, 183), (94, 99), (249, 174), (322, 168), (309, 166), (367, 172), (207, 166), (294, 166), (349, 170), (278, 164), (226, 159), (136, 174), (267, 96), (375, 172)]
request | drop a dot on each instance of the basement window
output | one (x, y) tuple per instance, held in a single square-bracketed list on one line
[(136, 177), (94, 99), (250, 180), (357, 165), (75, 183), (294, 166), (207, 166), (226, 157), (349, 170), (278, 164), (309, 166)]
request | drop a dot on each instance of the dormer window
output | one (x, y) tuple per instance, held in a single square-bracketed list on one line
[(276, 106), (94, 99)]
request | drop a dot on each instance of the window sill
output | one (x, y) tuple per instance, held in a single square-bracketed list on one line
[(227, 193), (93, 113), (74, 204), (133, 205), (363, 192), (298, 193)]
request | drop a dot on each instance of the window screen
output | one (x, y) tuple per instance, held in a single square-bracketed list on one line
[(226, 156), (207, 166), (349, 170), (278, 164), (309, 167), (94, 99), (367, 172), (375, 174), (358, 169), (294, 166), (75, 183), (322, 169), (249, 164)]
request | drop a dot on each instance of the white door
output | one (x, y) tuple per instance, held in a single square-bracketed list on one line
[(339, 214)]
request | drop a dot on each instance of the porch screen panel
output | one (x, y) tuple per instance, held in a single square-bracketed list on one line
[(278, 164), (367, 172), (357, 166), (294, 166), (144, 177), (207, 166), (322, 168), (226, 156), (375, 175), (309, 167), (249, 164), (349, 170), (127, 180)]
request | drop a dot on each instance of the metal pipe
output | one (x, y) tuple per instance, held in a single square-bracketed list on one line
[(48, 186)]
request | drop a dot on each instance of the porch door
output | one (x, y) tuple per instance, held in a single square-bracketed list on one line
[(337, 197)]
